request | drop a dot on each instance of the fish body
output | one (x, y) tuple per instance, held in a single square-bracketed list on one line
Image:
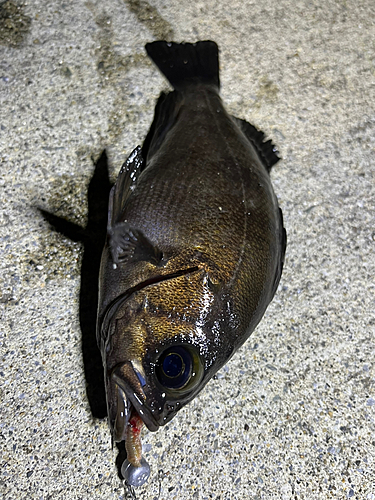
[(195, 246)]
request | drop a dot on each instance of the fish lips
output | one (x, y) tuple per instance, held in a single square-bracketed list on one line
[(156, 405), (129, 384)]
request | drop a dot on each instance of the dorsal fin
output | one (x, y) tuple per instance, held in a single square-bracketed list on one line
[(267, 152)]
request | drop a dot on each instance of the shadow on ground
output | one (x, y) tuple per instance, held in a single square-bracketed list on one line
[(93, 238)]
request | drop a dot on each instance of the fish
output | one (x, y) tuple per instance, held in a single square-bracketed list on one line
[(194, 251)]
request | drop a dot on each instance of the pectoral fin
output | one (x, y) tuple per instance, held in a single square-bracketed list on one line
[(129, 244)]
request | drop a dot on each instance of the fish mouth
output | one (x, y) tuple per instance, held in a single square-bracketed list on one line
[(144, 413), (127, 384)]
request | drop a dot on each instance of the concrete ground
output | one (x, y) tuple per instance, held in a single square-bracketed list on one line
[(292, 414)]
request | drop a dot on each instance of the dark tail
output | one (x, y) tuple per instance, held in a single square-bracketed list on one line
[(183, 63)]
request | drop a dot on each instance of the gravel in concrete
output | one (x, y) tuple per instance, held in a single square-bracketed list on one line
[(292, 414)]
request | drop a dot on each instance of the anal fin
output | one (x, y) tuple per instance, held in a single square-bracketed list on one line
[(267, 152), (282, 244)]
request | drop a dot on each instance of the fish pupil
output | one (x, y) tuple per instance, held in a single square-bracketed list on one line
[(173, 365), (174, 368)]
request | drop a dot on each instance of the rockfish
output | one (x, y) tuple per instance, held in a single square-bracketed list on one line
[(194, 252)]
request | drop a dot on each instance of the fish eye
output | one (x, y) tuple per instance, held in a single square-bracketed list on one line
[(179, 368)]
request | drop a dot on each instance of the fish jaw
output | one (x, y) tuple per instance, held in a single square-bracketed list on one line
[(126, 397), (125, 421)]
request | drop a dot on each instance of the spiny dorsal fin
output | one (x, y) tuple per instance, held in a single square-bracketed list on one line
[(267, 152)]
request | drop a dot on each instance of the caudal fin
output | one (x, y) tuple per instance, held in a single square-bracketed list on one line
[(183, 63)]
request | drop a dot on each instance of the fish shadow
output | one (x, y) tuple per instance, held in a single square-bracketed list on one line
[(93, 238)]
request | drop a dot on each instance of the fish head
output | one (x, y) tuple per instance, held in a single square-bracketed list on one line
[(155, 394), (161, 350)]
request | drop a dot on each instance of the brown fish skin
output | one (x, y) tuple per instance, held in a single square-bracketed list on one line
[(195, 248)]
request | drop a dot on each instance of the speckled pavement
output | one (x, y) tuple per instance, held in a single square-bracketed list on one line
[(292, 414)]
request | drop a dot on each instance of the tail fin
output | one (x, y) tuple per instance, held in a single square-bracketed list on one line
[(186, 62)]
